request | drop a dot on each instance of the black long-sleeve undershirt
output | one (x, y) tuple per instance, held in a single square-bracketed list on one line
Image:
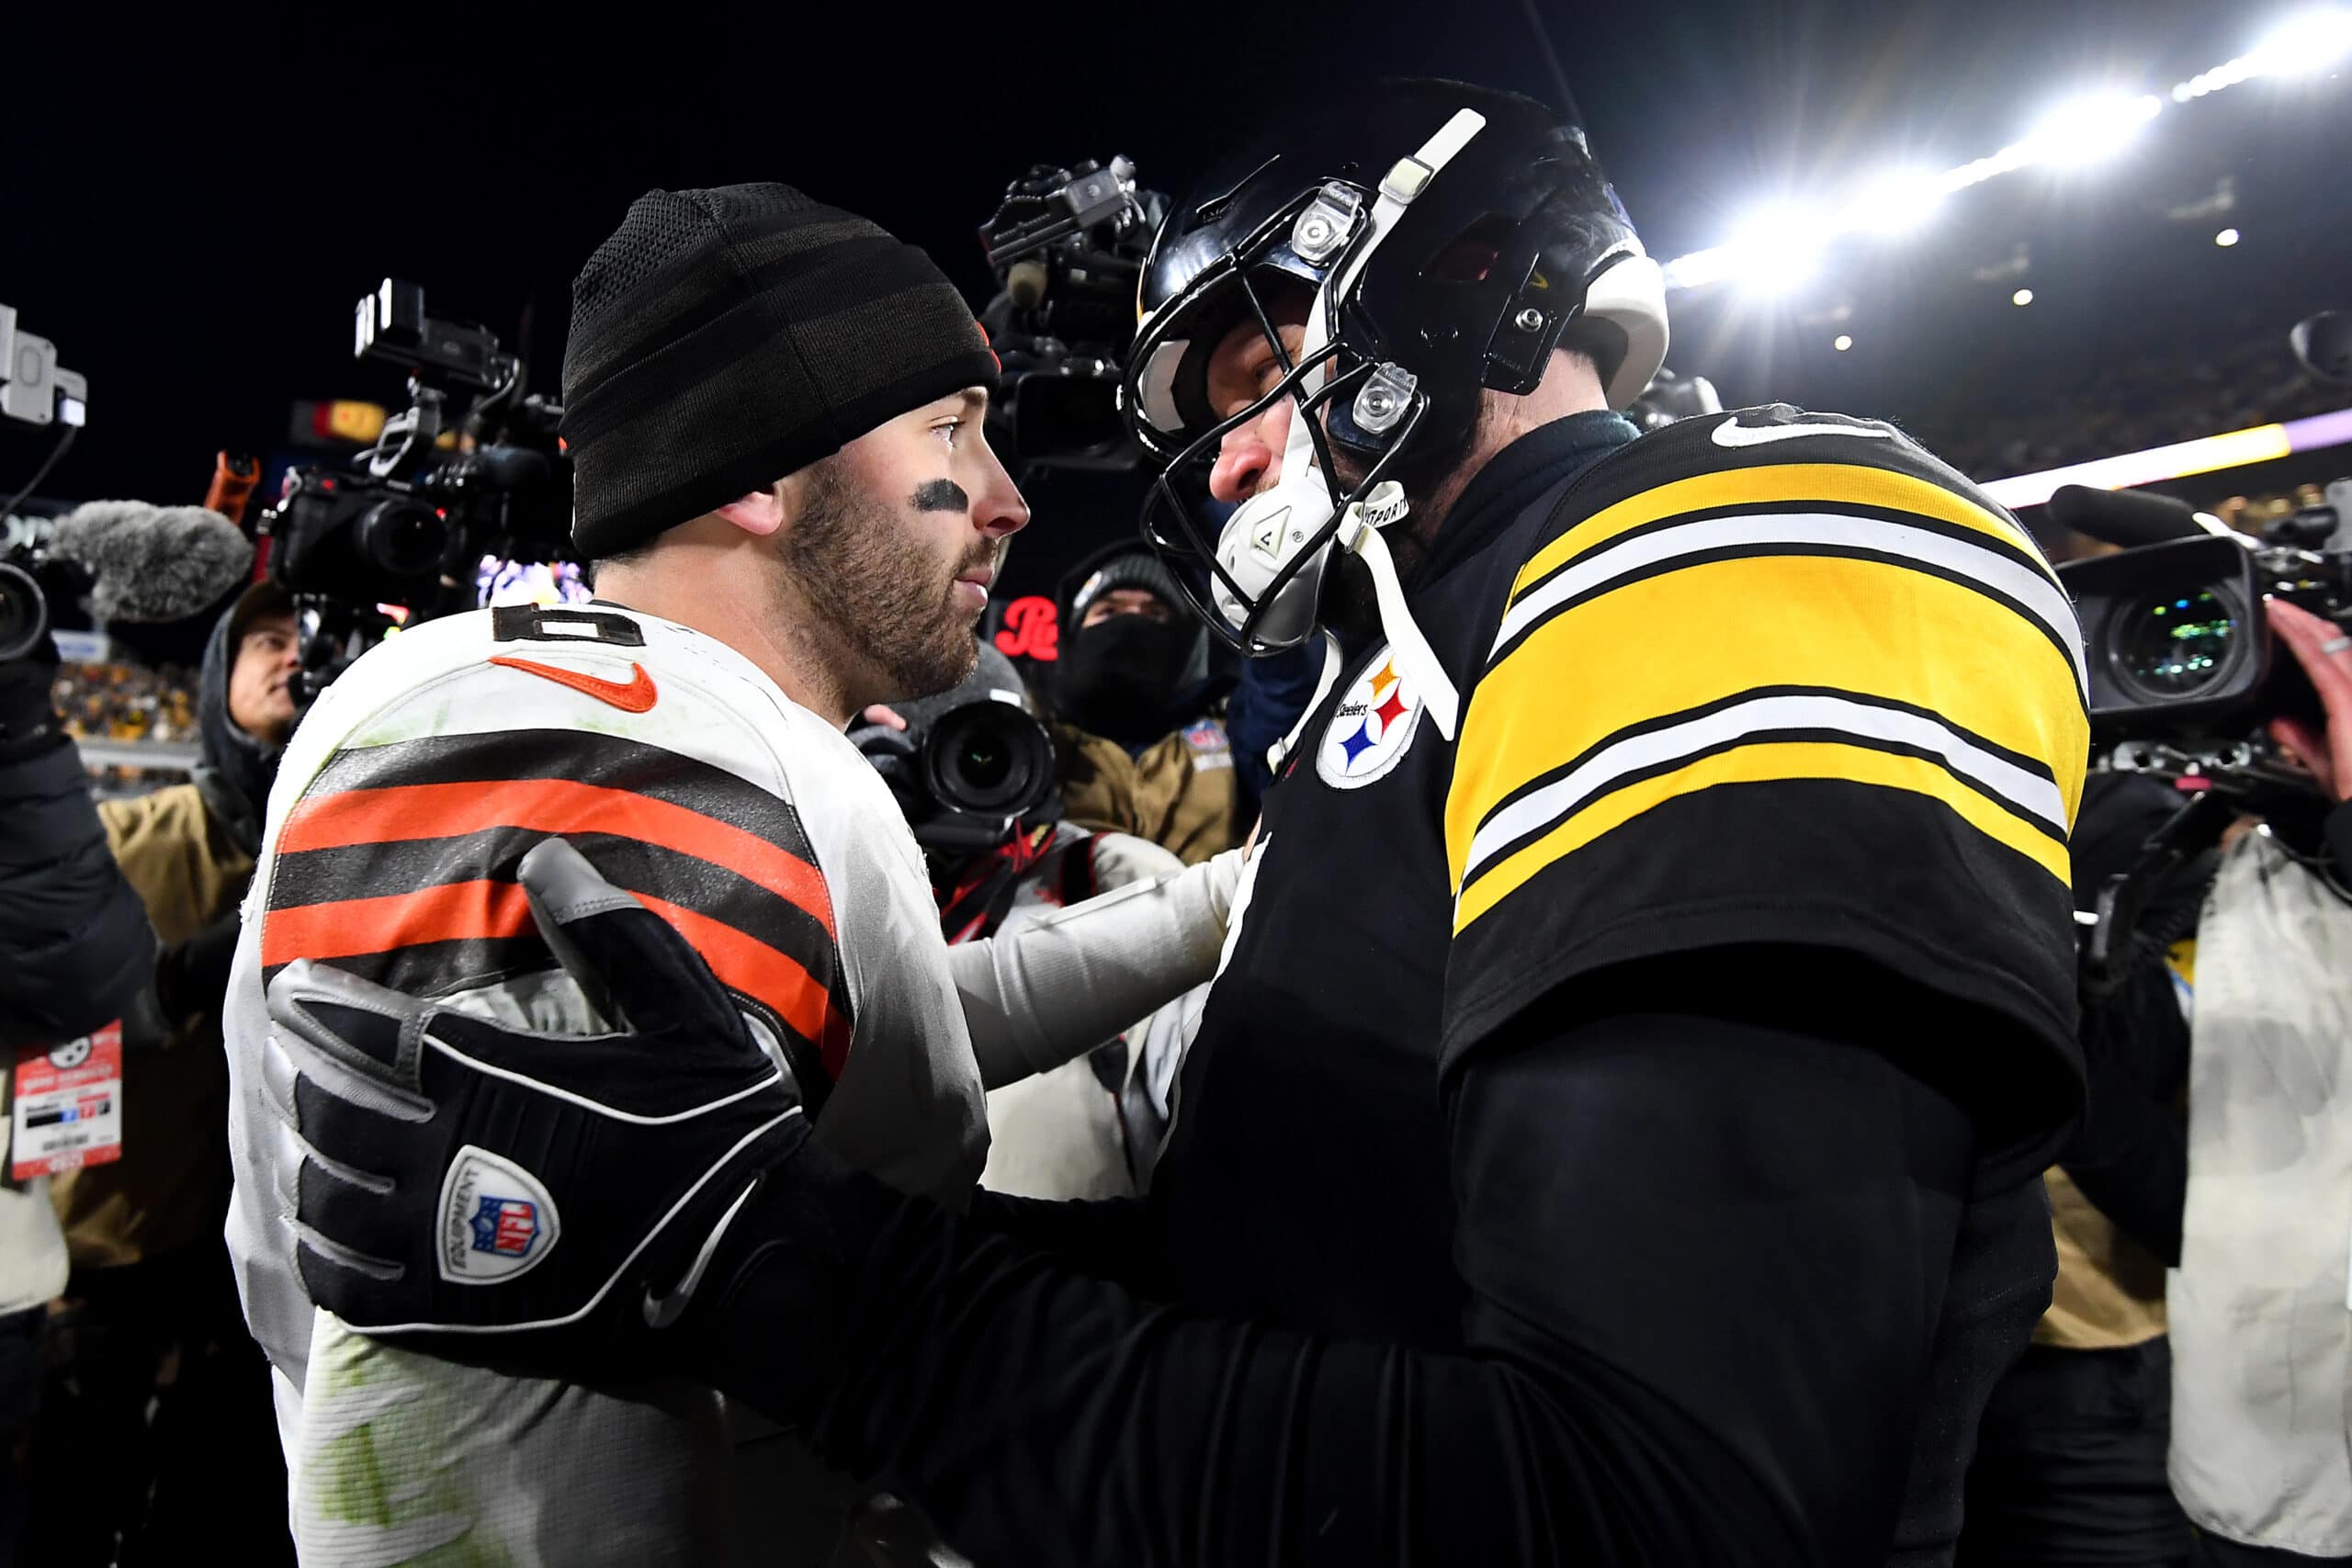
[(2130, 1156), (1708, 1263)]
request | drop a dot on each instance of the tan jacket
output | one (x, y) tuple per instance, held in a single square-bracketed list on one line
[(2111, 1289), (171, 1187), (1178, 792)]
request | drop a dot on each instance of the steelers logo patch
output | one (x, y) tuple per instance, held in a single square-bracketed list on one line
[(1371, 728)]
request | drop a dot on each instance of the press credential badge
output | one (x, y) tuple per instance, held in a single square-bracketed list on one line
[(68, 1105)]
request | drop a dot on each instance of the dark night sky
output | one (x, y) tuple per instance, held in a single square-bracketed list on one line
[(190, 210)]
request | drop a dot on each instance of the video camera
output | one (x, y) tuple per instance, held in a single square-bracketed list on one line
[(2184, 671), (398, 539), (1068, 248)]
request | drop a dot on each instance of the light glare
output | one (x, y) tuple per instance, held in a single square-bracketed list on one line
[(2226, 238), (1776, 250), (2091, 128), (1895, 204), (2306, 43), (2022, 297)]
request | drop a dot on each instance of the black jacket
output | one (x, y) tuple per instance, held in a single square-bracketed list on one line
[(75, 947)]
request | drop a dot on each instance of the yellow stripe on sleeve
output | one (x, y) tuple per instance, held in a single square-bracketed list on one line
[(1823, 484), (1766, 761), (1706, 632)]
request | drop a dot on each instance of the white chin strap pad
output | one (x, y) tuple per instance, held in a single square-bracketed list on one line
[(1415, 658)]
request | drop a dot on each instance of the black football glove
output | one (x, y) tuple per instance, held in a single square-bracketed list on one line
[(538, 1201)]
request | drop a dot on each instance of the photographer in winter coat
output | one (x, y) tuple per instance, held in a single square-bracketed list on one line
[(153, 1366)]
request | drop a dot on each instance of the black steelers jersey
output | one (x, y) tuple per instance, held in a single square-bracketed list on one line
[(1774, 677)]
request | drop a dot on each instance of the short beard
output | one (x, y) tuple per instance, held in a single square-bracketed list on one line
[(877, 603)]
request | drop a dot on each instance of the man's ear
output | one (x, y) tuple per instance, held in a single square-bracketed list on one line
[(760, 513)]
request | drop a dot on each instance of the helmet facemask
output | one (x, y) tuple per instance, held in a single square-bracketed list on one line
[(1265, 560), (1497, 242), (1266, 565)]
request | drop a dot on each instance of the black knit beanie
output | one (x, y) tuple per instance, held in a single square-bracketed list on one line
[(1130, 566), (723, 339)]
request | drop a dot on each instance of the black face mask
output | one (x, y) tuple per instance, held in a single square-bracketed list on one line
[(1118, 678)]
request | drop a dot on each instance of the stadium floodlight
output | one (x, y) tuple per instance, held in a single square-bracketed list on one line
[(1777, 249), (2305, 43), (1894, 204), (2091, 128)]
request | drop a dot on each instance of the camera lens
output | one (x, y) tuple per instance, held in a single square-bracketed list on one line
[(402, 536), (23, 613), (2176, 648), (989, 758), (983, 761)]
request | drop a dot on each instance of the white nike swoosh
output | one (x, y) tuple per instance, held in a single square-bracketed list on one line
[(1731, 433), (661, 1312)]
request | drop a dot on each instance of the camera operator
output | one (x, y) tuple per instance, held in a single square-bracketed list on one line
[(2261, 1338), (1142, 747), (2217, 935), (156, 1372), (75, 951), (75, 947), (1000, 859)]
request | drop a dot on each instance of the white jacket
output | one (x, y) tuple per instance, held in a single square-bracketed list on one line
[(2260, 1316)]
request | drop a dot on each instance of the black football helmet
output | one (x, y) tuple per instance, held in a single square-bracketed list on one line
[(1451, 237)]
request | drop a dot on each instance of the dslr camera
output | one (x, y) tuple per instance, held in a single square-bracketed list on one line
[(473, 467), (965, 779), (1068, 248)]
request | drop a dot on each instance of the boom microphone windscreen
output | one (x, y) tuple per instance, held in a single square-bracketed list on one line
[(152, 563)]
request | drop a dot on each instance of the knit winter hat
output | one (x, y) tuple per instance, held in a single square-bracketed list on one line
[(1129, 567), (723, 339)]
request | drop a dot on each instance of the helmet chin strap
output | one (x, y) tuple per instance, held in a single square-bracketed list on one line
[(1416, 660)]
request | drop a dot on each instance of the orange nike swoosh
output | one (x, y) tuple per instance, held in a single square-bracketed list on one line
[(636, 695)]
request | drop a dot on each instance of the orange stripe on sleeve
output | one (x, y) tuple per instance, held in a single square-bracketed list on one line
[(758, 971), (551, 806), (348, 927), (459, 910)]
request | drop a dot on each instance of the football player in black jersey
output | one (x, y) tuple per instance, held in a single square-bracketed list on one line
[(1613, 1134)]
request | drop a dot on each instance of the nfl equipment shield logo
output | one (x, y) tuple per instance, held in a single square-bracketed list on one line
[(506, 1226), (496, 1218)]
